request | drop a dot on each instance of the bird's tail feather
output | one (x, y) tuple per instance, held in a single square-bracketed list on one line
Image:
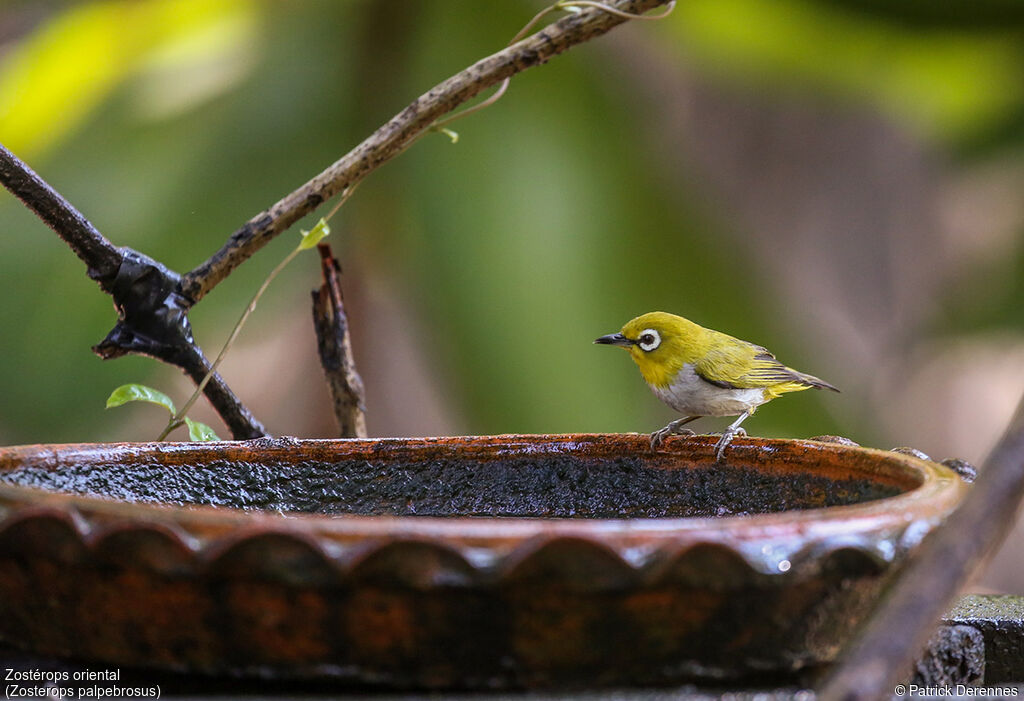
[(812, 381)]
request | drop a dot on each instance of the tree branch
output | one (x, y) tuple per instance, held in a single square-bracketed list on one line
[(239, 420), (152, 315), (401, 131), (334, 344), (153, 302), (100, 256), (152, 319), (882, 654)]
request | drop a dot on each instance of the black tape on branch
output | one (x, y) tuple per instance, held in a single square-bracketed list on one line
[(152, 314), (153, 320)]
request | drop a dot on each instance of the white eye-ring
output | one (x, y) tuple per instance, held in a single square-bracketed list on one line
[(649, 340)]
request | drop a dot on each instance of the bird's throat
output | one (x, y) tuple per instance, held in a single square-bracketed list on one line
[(656, 374)]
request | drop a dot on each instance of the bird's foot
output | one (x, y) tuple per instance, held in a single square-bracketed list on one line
[(659, 436), (726, 439)]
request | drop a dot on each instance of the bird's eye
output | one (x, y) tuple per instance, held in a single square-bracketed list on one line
[(649, 340)]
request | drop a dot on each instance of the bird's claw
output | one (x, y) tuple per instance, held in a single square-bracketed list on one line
[(726, 439), (659, 436)]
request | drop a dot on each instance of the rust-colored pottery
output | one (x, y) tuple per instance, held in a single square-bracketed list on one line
[(499, 561)]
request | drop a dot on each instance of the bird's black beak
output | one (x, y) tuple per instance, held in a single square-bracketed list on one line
[(615, 339)]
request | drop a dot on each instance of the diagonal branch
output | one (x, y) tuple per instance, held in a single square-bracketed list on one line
[(401, 131), (882, 653), (100, 256)]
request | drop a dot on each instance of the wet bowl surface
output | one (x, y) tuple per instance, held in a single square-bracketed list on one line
[(493, 561)]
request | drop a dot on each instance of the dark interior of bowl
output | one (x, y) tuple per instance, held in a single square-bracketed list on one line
[(488, 480)]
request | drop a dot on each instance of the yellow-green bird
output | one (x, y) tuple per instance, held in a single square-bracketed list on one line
[(702, 372)]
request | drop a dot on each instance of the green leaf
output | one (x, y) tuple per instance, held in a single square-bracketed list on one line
[(139, 393), (198, 431), (312, 238)]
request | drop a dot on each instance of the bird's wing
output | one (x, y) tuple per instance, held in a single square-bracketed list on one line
[(736, 364)]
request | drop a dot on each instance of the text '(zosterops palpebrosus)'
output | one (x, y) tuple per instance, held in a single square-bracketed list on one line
[(702, 372)]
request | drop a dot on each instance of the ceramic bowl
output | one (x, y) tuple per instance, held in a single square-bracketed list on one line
[(472, 562)]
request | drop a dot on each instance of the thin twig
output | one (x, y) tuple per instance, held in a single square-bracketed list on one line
[(211, 372), (881, 655), (566, 4), (533, 22), (232, 411), (392, 138), (334, 344), (341, 200), (442, 123), (100, 256)]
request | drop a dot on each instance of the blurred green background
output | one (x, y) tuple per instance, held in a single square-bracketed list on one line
[(839, 181)]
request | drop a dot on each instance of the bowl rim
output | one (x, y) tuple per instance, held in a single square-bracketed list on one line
[(937, 494)]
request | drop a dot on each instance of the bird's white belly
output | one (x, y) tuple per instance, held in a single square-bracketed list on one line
[(689, 394)]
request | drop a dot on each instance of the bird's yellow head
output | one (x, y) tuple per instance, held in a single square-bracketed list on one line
[(661, 344)]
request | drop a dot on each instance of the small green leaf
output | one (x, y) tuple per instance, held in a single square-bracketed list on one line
[(312, 238), (198, 431), (139, 393)]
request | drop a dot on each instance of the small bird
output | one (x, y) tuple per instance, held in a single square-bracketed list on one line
[(702, 372)]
